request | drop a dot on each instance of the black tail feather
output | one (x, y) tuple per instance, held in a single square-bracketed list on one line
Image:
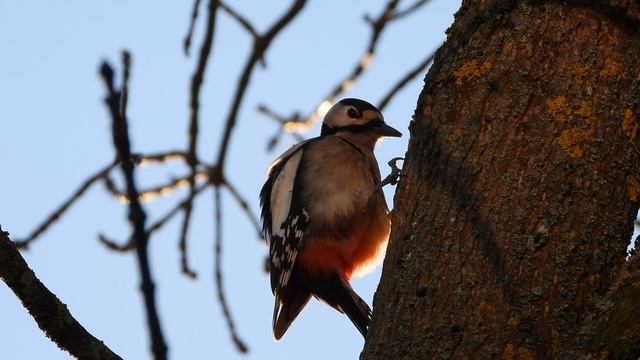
[(337, 293), (287, 309)]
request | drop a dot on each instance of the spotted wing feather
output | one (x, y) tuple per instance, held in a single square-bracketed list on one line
[(284, 217)]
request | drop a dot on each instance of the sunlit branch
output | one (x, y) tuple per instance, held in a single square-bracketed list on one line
[(157, 225), (151, 194), (159, 158), (298, 124)]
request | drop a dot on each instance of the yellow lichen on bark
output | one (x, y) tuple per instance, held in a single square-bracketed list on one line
[(511, 352), (629, 125), (559, 109), (633, 188), (470, 70), (611, 69), (584, 110), (580, 70), (571, 141)]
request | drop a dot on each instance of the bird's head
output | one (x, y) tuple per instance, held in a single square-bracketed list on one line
[(356, 116)]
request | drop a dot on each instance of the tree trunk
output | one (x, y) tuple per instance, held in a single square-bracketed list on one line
[(520, 189)]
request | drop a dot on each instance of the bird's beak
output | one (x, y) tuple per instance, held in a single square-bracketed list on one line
[(386, 130)]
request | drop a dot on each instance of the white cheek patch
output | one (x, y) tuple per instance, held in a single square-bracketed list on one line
[(281, 193)]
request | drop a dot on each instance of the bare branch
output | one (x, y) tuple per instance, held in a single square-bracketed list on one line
[(101, 174), (192, 159), (297, 125), (55, 216), (114, 246), (410, 9), (51, 315), (218, 274), (171, 213), (295, 117), (186, 45), (260, 46), (159, 158), (117, 102), (130, 244), (405, 80), (239, 18)]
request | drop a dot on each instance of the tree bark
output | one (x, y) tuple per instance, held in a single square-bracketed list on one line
[(521, 185)]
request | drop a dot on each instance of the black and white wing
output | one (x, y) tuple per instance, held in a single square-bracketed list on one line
[(284, 218)]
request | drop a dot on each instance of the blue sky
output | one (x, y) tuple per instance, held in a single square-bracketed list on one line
[(55, 132)]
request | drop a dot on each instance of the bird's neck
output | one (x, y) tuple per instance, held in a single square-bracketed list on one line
[(365, 142)]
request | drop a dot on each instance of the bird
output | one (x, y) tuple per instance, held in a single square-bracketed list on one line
[(324, 215)]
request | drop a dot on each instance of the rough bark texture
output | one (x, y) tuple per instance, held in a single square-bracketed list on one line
[(520, 190)]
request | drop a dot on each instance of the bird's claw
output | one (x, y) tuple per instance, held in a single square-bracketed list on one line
[(394, 177)]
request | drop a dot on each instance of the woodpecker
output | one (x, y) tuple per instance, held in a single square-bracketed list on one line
[(324, 215)]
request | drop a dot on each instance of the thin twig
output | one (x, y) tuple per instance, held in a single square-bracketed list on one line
[(117, 102), (101, 174), (282, 120), (171, 213), (51, 315), (260, 46), (218, 274), (244, 205), (410, 9), (114, 246), (246, 24), (55, 216), (192, 159), (239, 18), (299, 124), (405, 80), (186, 45), (182, 244), (130, 244)]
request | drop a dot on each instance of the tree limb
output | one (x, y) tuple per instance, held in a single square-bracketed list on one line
[(51, 315)]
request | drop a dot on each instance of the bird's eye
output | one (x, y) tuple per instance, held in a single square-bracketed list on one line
[(353, 113)]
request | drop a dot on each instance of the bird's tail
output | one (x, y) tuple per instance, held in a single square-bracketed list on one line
[(336, 292), (287, 309)]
